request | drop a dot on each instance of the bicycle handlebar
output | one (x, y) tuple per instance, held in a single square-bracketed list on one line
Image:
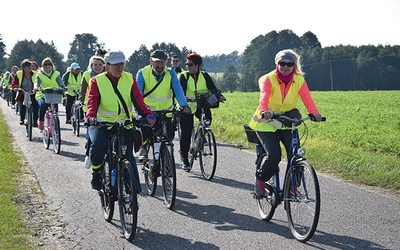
[(27, 92)]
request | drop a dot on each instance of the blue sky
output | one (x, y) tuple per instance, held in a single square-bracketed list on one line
[(207, 27)]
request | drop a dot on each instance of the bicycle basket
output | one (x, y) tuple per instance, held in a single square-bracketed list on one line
[(209, 99), (251, 134), (53, 95)]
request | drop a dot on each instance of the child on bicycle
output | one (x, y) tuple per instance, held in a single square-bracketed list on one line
[(280, 91)]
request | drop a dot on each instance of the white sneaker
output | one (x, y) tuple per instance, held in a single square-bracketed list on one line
[(88, 162)]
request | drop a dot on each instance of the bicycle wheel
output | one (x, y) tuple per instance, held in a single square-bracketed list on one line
[(302, 200), (106, 196), (46, 137), (73, 118), (148, 170), (168, 174), (268, 203), (208, 154), (29, 123), (127, 200), (56, 136), (77, 121), (193, 152)]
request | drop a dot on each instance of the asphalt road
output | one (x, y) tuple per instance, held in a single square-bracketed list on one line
[(220, 214)]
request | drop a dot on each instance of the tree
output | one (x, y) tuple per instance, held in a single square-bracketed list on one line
[(3, 60), (83, 47), (230, 79)]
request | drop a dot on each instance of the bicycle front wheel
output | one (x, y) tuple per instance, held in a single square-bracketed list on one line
[(106, 196), (208, 154), (46, 137), (168, 175), (149, 172), (127, 200), (29, 123), (56, 136), (302, 200)]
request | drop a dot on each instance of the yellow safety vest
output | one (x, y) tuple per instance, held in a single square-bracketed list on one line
[(191, 88), (47, 82), (87, 76), (162, 97), (110, 107), (74, 83), (275, 101)]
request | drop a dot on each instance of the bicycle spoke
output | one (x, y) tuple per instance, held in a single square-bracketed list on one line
[(208, 155), (168, 175)]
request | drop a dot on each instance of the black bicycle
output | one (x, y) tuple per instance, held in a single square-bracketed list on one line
[(118, 180), (203, 145), (161, 161), (300, 192), (76, 116), (29, 112)]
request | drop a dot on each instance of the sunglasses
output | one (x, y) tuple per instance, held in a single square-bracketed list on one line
[(47, 64), (175, 61), (283, 64), (189, 64)]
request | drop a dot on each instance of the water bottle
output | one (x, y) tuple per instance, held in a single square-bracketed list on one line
[(157, 150), (113, 175)]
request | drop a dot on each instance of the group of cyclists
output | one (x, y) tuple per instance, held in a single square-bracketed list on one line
[(108, 93)]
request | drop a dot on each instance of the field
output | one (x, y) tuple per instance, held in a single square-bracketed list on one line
[(358, 142)]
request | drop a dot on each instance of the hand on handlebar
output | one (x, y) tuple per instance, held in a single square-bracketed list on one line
[(91, 121), (151, 119), (186, 109), (316, 117), (267, 115)]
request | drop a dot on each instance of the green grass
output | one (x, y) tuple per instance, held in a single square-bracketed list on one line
[(14, 234), (358, 142)]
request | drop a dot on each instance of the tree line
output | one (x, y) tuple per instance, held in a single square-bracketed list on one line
[(334, 68)]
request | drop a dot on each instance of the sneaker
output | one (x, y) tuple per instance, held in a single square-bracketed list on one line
[(186, 165), (259, 187), (21, 122), (88, 162), (143, 154), (96, 180), (41, 125)]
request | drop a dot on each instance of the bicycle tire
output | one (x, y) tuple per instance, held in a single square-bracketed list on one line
[(29, 123), (46, 137), (56, 136), (193, 152), (78, 122), (149, 174), (107, 198), (127, 200), (208, 154), (168, 174), (268, 203), (302, 208)]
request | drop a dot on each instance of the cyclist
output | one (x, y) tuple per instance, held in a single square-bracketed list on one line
[(159, 85), (193, 80), (24, 79), (280, 91), (72, 80), (111, 98), (96, 66), (47, 77)]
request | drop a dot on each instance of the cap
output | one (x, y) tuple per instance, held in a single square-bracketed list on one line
[(158, 55), (114, 57), (75, 66)]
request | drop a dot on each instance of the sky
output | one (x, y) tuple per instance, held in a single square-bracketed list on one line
[(209, 27)]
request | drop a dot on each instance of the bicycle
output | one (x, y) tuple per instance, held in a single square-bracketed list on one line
[(161, 161), (76, 116), (203, 144), (29, 112), (118, 181), (300, 192), (52, 129)]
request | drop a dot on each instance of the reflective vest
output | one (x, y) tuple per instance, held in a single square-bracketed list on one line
[(110, 107), (20, 75), (47, 82), (87, 77), (162, 97), (192, 87), (275, 101), (74, 83)]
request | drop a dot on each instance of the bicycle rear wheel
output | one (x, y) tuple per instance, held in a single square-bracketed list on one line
[(149, 173), (56, 136), (208, 154), (168, 175), (29, 123), (106, 196), (302, 200), (46, 137), (127, 200)]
